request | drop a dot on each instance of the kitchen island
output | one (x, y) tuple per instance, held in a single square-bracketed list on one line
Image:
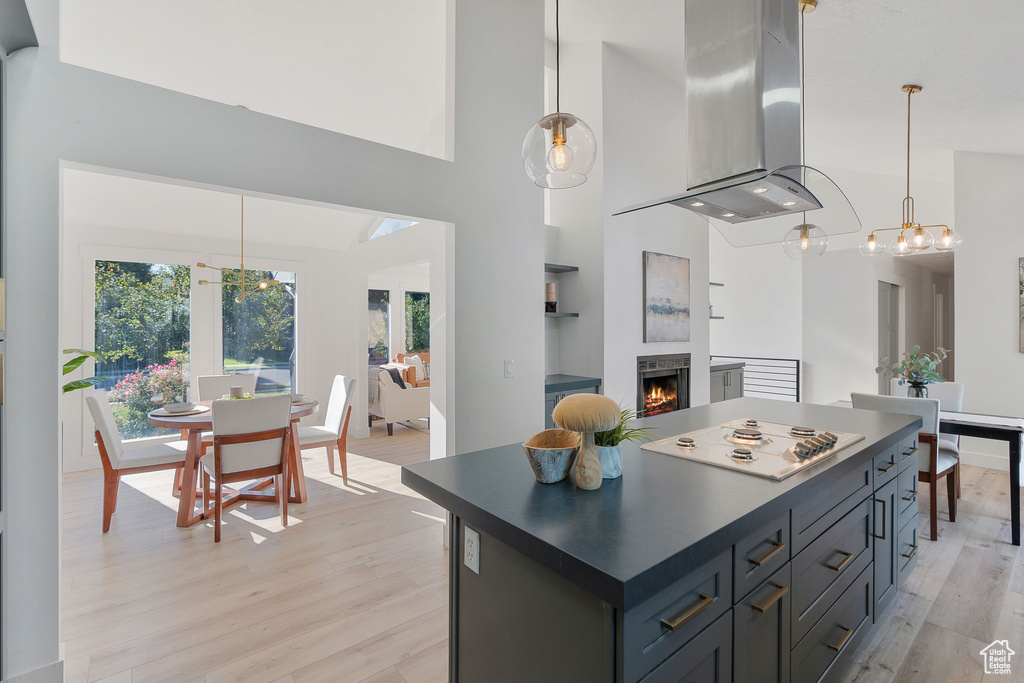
[(658, 574)]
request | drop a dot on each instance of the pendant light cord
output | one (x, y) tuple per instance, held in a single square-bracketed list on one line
[(558, 65), (908, 202), (803, 105)]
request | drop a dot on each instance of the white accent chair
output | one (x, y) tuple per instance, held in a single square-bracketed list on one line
[(936, 461), (334, 431), (397, 404), (118, 461), (250, 440)]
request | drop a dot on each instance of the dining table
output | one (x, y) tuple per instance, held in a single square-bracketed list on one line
[(993, 427), (195, 423)]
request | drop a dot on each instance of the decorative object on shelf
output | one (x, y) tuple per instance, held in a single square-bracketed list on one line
[(551, 454), (587, 414), (913, 237), (560, 150), (81, 355), (551, 300), (240, 282), (666, 298), (609, 443), (916, 369)]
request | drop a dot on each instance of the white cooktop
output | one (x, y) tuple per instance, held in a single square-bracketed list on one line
[(765, 449)]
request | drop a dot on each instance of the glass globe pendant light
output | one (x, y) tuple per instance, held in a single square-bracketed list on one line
[(805, 241), (901, 246), (948, 240), (560, 150), (871, 246)]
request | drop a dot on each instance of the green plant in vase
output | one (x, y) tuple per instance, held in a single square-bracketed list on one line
[(609, 443), (916, 369)]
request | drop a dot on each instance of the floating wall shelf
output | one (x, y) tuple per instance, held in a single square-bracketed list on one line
[(561, 315), (718, 317), (559, 268), (717, 284)]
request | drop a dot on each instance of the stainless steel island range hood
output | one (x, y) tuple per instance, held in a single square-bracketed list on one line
[(743, 124)]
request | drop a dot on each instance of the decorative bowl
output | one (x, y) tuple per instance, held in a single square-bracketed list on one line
[(551, 454), (179, 407)]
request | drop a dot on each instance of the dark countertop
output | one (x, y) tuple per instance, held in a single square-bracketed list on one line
[(662, 518), (569, 382), (717, 367)]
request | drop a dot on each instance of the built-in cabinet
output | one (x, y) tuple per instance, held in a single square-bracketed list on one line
[(557, 387), (726, 382)]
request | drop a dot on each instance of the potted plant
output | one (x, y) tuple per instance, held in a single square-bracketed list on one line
[(81, 355), (916, 369), (609, 443)]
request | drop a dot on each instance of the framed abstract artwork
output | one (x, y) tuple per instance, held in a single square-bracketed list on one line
[(666, 298)]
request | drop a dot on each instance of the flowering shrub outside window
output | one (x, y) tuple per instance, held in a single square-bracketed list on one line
[(134, 396)]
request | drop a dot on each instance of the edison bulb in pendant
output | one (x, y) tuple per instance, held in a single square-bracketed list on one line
[(871, 246), (948, 240), (901, 246), (920, 239), (560, 151), (240, 298), (805, 241), (263, 284)]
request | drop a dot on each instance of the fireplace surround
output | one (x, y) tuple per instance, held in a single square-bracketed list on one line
[(662, 383)]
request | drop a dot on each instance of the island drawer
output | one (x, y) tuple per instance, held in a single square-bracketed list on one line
[(758, 555), (761, 631), (823, 570), (885, 466), (828, 505), (908, 452), (657, 627), (836, 634), (906, 549), (906, 496), (706, 659)]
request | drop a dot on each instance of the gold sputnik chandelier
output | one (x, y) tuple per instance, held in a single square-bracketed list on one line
[(913, 237), (240, 282)]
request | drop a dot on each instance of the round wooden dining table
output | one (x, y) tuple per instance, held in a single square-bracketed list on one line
[(260, 490)]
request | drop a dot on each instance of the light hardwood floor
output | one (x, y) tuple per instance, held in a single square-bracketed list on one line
[(356, 588)]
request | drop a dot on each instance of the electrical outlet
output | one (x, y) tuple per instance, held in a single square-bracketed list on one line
[(508, 368), (471, 548)]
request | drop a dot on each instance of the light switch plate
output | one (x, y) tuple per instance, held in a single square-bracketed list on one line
[(471, 549)]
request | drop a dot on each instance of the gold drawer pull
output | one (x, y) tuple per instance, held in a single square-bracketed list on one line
[(703, 602), (838, 647), (776, 549), (839, 567), (911, 498), (889, 468), (910, 451), (772, 600), (913, 551)]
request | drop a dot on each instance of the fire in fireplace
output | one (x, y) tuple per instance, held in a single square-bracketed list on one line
[(662, 384), (661, 395)]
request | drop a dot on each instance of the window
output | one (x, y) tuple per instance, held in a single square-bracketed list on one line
[(259, 332), (417, 322), (391, 225), (142, 334), (380, 327)]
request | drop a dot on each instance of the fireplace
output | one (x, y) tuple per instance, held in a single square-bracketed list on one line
[(662, 384)]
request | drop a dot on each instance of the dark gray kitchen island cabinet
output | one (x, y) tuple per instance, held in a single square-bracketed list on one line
[(677, 571)]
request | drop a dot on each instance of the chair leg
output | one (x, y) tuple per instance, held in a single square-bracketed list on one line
[(218, 505), (206, 492), (391, 428), (109, 498), (282, 486), (343, 457), (330, 459), (951, 492), (933, 513), (958, 480), (369, 420)]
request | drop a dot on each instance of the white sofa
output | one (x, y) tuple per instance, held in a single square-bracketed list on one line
[(396, 404)]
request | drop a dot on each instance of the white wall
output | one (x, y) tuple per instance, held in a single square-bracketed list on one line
[(58, 113), (644, 158), (987, 297)]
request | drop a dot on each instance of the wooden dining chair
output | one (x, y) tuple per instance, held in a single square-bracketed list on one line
[(118, 461), (251, 439), (951, 397), (934, 462), (334, 431)]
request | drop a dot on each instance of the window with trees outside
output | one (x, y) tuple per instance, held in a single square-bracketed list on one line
[(258, 334), (417, 322), (380, 327), (142, 335)]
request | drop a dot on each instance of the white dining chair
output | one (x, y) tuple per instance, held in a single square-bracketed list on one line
[(334, 431), (118, 461), (934, 462), (250, 441), (212, 387), (951, 397)]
